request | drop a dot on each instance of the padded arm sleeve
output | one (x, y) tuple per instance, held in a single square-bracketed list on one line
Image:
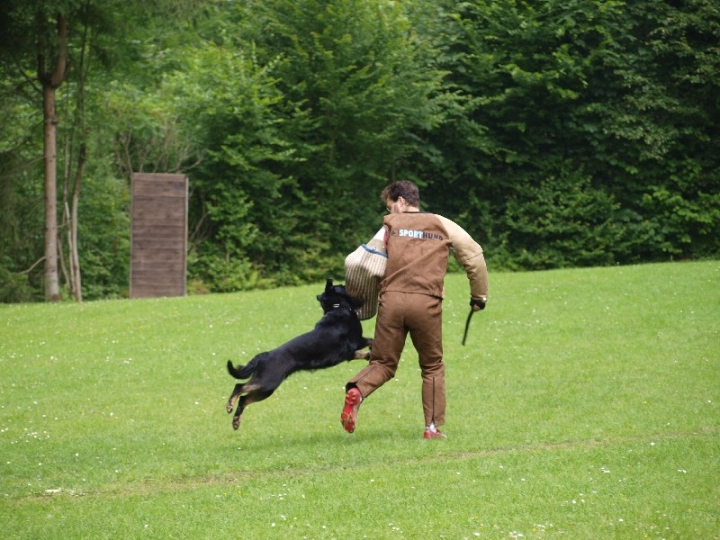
[(470, 255)]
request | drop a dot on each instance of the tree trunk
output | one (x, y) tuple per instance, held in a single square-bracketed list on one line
[(50, 81), (74, 254), (71, 192), (52, 281)]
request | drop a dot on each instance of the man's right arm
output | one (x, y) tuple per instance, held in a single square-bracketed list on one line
[(470, 255)]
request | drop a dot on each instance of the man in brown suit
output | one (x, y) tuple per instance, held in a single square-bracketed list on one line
[(418, 245)]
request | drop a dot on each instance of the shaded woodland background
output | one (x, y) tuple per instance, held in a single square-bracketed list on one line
[(559, 134)]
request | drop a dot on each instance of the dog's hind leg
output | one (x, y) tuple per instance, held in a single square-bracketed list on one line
[(234, 397), (238, 414), (254, 394)]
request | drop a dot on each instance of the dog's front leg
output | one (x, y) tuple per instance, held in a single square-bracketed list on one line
[(362, 355)]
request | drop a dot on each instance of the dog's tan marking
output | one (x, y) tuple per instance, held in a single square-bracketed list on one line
[(364, 355)]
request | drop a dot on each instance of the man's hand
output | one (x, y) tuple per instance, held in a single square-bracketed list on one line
[(478, 303)]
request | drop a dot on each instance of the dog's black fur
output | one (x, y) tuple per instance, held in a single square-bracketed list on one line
[(336, 338)]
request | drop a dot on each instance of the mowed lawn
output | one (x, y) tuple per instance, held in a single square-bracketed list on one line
[(585, 404)]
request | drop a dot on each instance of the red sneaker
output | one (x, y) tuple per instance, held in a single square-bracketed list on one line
[(349, 412), (437, 434)]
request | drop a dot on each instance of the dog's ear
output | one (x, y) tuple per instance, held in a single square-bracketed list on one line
[(329, 286)]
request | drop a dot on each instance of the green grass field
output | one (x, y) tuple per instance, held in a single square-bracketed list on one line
[(586, 404)]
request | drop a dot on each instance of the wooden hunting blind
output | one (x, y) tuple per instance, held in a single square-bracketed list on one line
[(158, 255)]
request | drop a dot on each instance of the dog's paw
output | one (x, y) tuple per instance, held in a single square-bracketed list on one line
[(236, 422)]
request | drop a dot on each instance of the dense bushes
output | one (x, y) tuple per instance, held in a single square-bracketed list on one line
[(559, 134)]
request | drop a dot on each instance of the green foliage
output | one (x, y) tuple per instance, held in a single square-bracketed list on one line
[(104, 238), (558, 133), (356, 89), (225, 275), (242, 212), (623, 95), (21, 224), (561, 222), (14, 287), (311, 104)]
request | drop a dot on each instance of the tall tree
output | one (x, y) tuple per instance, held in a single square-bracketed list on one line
[(39, 30), (52, 68)]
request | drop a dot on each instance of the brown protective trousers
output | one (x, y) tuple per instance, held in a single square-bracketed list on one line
[(420, 315)]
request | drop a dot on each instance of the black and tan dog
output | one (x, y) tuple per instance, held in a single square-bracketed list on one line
[(336, 338)]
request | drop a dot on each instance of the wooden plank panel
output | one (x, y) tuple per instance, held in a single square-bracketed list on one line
[(157, 214), (147, 278), (150, 283), (142, 201), (152, 248), (159, 235), (142, 231), (160, 185), (148, 268)]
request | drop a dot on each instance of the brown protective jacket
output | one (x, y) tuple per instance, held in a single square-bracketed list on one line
[(418, 245)]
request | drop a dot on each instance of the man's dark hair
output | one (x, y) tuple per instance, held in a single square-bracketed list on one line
[(402, 188)]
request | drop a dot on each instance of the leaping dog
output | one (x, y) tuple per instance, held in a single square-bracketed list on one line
[(337, 337)]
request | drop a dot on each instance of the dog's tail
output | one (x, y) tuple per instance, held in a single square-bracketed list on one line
[(243, 372)]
